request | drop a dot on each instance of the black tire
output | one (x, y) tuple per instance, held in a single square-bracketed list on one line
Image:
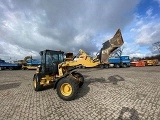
[(117, 65), (36, 82), (101, 66), (106, 66), (23, 68), (80, 77), (10, 68), (83, 67), (70, 84), (124, 66)]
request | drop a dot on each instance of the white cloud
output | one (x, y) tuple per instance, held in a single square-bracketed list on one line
[(67, 25), (134, 50), (158, 2), (15, 52), (141, 34), (149, 12), (148, 33)]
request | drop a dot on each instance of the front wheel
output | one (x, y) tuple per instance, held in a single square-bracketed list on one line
[(106, 66), (10, 68), (36, 83), (67, 89), (101, 66), (124, 65), (117, 65)]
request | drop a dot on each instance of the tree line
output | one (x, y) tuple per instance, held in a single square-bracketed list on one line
[(146, 58), (151, 57)]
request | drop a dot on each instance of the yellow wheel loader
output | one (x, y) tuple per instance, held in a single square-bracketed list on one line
[(57, 69), (101, 58), (54, 70)]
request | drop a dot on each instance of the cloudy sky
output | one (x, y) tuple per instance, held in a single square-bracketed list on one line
[(29, 26)]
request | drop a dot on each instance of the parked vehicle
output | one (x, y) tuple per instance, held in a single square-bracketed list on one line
[(31, 64), (138, 64), (151, 62), (101, 58), (10, 66), (120, 61)]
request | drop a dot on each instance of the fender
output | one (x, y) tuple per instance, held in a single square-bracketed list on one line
[(56, 82)]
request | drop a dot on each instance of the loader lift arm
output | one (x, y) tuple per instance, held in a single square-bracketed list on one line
[(102, 56)]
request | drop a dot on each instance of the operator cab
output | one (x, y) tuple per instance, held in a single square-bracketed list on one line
[(50, 60)]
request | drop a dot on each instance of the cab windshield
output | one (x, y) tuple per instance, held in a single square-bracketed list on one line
[(53, 57)]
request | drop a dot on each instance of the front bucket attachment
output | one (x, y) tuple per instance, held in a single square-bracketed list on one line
[(111, 45)]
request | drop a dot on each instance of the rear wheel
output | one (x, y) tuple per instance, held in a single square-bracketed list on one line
[(67, 89), (80, 77), (83, 67), (124, 66), (117, 65), (36, 83), (101, 66), (10, 68), (106, 66)]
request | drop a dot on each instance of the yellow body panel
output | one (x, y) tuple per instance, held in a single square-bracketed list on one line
[(151, 62), (84, 59), (29, 67), (46, 80), (88, 62)]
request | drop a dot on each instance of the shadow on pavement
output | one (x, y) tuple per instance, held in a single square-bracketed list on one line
[(128, 114), (85, 88), (10, 86), (115, 79), (87, 70), (112, 79), (48, 87)]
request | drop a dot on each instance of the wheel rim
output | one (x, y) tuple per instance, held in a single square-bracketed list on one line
[(34, 83), (66, 89)]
